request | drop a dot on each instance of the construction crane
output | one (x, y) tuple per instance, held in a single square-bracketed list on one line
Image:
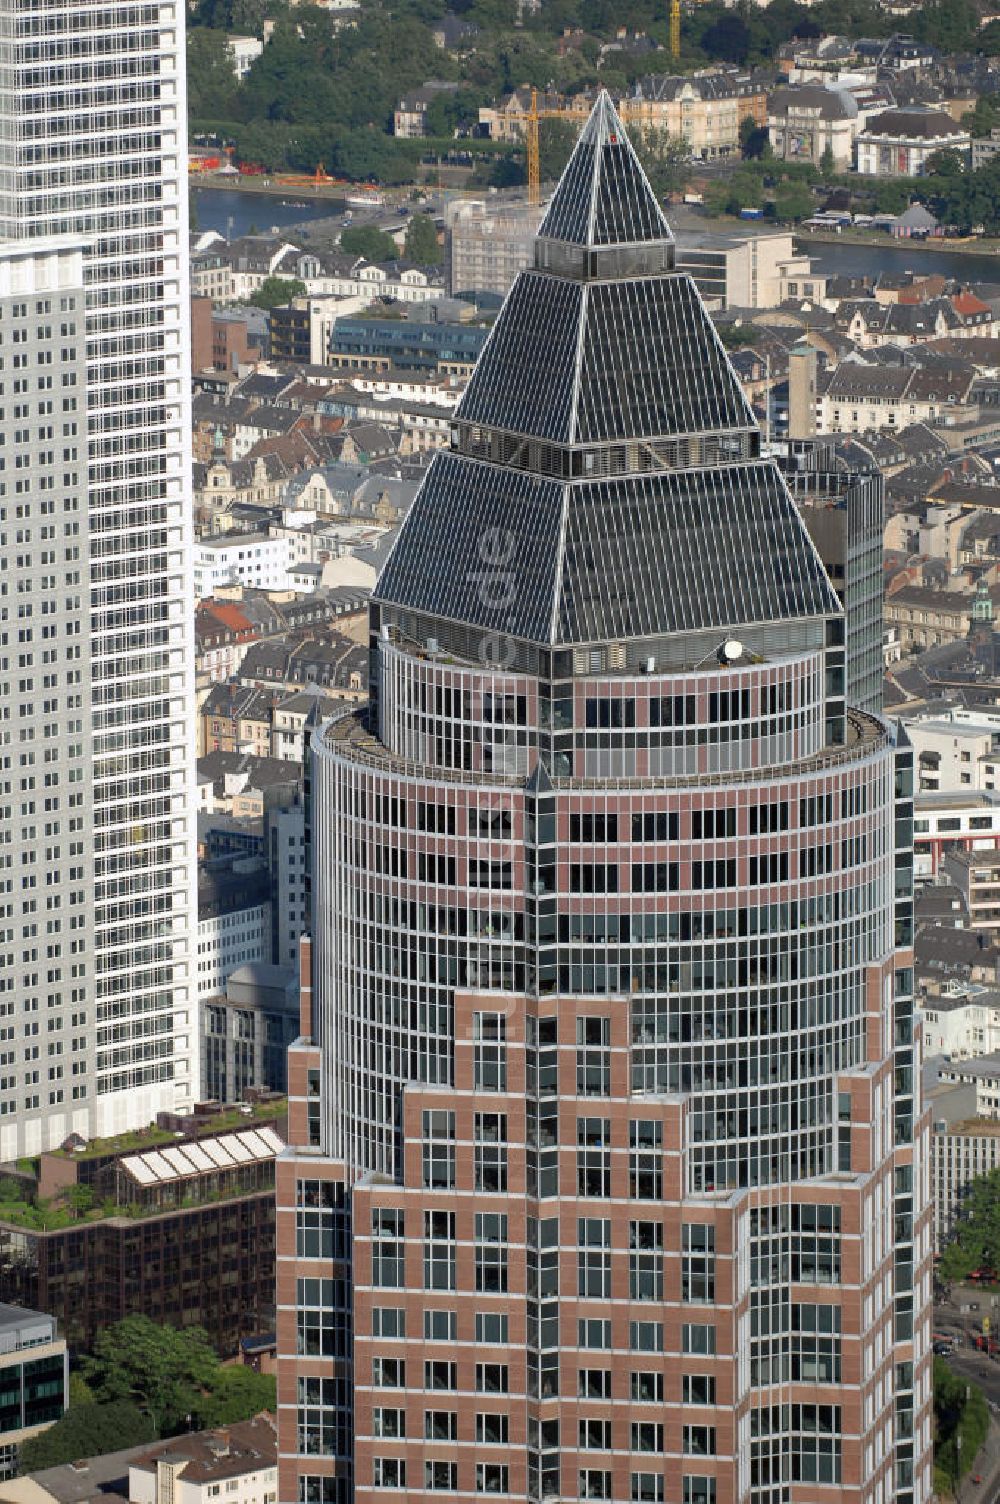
[(578, 111), (675, 28)]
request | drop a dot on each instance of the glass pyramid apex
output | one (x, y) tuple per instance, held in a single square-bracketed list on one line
[(604, 197)]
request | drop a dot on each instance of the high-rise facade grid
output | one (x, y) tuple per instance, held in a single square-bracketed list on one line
[(97, 886), (610, 1177)]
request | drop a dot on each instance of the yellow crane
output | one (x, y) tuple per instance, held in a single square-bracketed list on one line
[(625, 108), (675, 28)]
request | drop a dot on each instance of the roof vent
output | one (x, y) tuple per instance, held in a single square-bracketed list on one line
[(433, 646)]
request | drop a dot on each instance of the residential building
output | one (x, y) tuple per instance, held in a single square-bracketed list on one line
[(34, 1380), (239, 1462), (963, 1147), (952, 822), (409, 118), (981, 1071), (244, 52), (505, 121), (897, 143), (924, 617), (953, 754), (985, 148), (961, 1021), (976, 875), (486, 245), (96, 431), (704, 110), (191, 1242), (807, 121), (559, 1117)]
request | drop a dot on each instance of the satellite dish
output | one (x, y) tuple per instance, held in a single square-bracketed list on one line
[(731, 651)]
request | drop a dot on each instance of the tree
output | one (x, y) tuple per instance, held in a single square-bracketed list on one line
[(160, 1369), (368, 241), (236, 1393), (421, 242), (212, 85), (556, 140), (944, 164), (665, 160), (792, 202), (754, 139), (827, 165), (87, 1431), (276, 291)]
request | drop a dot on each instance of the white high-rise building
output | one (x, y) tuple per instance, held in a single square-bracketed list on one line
[(97, 839)]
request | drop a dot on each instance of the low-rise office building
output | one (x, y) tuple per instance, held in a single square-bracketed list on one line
[(953, 822), (187, 1237), (34, 1380), (963, 1147)]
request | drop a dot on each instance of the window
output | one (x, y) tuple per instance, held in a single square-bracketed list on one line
[(648, 1488), (321, 1316), (594, 1384), (647, 1388), (388, 1472), (593, 829), (593, 1057), (389, 1373), (593, 1156), (319, 1221), (647, 1436), (316, 1416), (654, 826), (646, 1336), (593, 1333), (594, 1484), (390, 1423), (492, 1430), (713, 824), (441, 1476), (491, 1378), (491, 1326), (439, 1250), (698, 1441), (492, 1478), (698, 1339), (440, 1326), (388, 1321), (490, 1051), (491, 1151), (440, 1375), (595, 1435), (593, 877), (491, 1252), (594, 1258), (698, 1389), (440, 1425), (645, 1261), (388, 1249), (439, 1149), (697, 1490), (698, 1262), (646, 1160)]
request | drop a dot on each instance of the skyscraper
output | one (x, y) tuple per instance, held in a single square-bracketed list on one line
[(97, 869), (611, 1178)]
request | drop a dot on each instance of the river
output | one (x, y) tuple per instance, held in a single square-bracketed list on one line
[(234, 213), (849, 259)]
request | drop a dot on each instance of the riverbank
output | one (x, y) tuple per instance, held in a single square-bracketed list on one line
[(971, 246)]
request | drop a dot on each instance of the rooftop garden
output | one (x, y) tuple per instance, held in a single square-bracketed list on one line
[(140, 1139)]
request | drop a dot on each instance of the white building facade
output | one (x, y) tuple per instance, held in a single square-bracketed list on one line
[(92, 112)]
